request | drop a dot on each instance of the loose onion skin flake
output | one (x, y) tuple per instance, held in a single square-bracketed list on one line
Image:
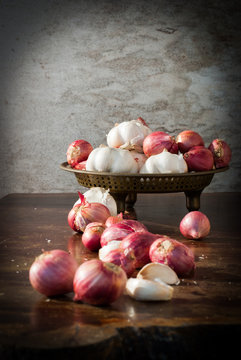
[(99, 283), (52, 273)]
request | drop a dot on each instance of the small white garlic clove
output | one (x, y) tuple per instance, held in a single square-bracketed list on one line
[(159, 272), (112, 245), (148, 290)]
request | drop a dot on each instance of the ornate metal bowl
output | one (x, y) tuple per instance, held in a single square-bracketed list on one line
[(125, 187)]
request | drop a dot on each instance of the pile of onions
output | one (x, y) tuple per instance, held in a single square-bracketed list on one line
[(77, 152), (84, 213), (195, 225), (221, 152), (157, 141), (174, 254), (199, 158), (99, 283), (188, 139), (52, 273)]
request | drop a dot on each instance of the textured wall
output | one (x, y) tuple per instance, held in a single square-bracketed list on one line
[(71, 69)]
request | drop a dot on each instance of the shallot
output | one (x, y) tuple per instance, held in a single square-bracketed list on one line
[(157, 141), (125, 260), (199, 159), (52, 272), (115, 232), (139, 243), (92, 234), (78, 151), (174, 254), (195, 225), (187, 139), (221, 152), (114, 219), (99, 283), (84, 213)]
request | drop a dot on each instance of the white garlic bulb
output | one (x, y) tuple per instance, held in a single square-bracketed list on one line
[(165, 163), (100, 195), (106, 159), (128, 135)]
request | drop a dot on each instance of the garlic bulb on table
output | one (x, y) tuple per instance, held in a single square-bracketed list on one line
[(100, 195), (106, 159), (128, 135), (164, 163)]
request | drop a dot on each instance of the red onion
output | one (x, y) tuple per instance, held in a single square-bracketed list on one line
[(187, 139), (84, 213), (52, 273), (221, 152), (81, 165), (78, 151), (115, 232), (114, 220), (92, 234), (195, 225), (99, 283), (199, 159), (139, 243), (157, 141), (134, 225), (174, 254), (126, 261)]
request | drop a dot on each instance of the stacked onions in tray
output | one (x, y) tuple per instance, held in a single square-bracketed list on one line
[(130, 259), (132, 147)]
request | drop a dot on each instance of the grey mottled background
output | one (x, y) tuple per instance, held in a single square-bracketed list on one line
[(71, 69)]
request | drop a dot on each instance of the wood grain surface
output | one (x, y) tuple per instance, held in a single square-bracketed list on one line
[(202, 320)]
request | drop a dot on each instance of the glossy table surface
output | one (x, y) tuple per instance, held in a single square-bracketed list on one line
[(203, 319)]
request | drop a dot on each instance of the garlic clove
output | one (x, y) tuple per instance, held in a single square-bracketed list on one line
[(148, 290), (159, 272)]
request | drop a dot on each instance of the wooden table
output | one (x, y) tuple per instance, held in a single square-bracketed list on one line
[(203, 320)]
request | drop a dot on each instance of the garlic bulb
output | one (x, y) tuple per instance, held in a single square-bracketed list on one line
[(148, 290), (165, 163), (128, 135), (107, 159), (100, 195)]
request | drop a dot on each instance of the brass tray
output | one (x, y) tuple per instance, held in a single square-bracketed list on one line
[(125, 187)]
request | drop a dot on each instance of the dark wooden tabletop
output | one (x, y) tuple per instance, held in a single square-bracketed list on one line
[(202, 320)]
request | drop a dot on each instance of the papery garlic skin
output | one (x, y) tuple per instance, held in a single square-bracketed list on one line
[(128, 135), (107, 159), (139, 158), (100, 195), (164, 163), (148, 290)]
